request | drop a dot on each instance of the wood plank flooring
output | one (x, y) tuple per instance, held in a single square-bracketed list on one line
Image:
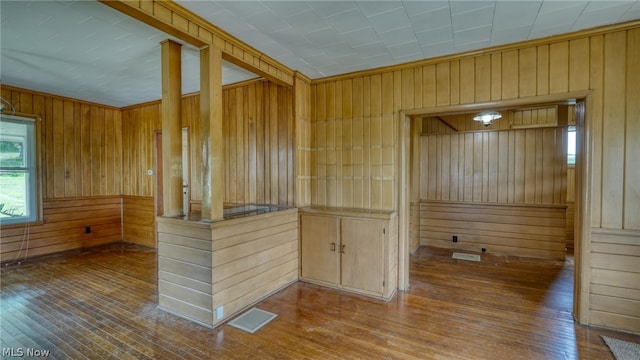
[(101, 303)]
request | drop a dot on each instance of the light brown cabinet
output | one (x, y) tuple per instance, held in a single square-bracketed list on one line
[(350, 250)]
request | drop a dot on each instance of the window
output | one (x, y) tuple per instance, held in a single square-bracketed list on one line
[(571, 146), (18, 196)]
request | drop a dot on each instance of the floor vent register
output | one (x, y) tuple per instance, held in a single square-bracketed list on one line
[(252, 320)]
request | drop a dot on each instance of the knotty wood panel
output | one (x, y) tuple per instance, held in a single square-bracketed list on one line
[(530, 231), (65, 222), (138, 220), (477, 167), (81, 144), (259, 144), (615, 270)]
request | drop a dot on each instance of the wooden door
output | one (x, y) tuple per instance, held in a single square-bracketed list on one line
[(319, 248), (362, 251)]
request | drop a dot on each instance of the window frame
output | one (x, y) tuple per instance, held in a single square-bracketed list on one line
[(34, 171)]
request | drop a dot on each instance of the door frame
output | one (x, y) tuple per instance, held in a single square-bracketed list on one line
[(583, 187)]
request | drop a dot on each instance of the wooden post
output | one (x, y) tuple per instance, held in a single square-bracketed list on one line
[(211, 133), (172, 128)]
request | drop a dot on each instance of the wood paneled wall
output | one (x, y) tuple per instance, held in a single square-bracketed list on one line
[(542, 116), (259, 144), (529, 231), (615, 270), (352, 112), (81, 144), (230, 264), (138, 220), (302, 107), (506, 167), (139, 125), (527, 166), (367, 105), (571, 204), (184, 269), (64, 226), (80, 175), (253, 258)]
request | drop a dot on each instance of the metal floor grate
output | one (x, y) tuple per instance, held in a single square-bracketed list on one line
[(252, 320), (470, 257)]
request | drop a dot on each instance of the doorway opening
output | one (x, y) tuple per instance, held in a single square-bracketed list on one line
[(186, 165), (454, 181)]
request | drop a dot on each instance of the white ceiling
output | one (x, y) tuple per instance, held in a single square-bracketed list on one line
[(85, 50)]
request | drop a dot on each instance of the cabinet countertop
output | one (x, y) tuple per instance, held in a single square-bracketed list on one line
[(348, 212)]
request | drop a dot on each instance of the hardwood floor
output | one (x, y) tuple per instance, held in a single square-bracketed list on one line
[(101, 303)]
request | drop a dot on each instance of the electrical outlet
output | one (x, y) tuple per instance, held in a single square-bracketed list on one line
[(455, 238)]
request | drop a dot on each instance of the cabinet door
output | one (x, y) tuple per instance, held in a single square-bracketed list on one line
[(362, 253), (319, 248)]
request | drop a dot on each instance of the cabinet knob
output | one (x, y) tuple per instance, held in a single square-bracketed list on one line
[(342, 249), (333, 246)]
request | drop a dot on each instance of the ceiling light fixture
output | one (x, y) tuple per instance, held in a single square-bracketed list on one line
[(486, 117)]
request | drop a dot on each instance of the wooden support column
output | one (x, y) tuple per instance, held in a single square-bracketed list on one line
[(172, 128), (211, 132)]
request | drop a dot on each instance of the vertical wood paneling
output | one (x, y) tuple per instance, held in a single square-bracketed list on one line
[(429, 79), (559, 67), (578, 64), (614, 132), (631, 209), (467, 80), (542, 70), (535, 178), (483, 78), (527, 72), (443, 84), (596, 81), (510, 74), (602, 63), (258, 138), (80, 146), (302, 107)]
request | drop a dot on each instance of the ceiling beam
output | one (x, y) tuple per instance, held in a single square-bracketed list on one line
[(175, 20)]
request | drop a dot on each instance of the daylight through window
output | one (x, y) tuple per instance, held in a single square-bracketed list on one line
[(571, 146), (18, 197)]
